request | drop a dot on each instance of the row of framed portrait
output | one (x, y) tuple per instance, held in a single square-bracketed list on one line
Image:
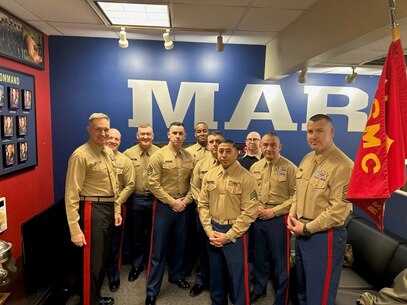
[(18, 134), (15, 152), (11, 97), (9, 121)]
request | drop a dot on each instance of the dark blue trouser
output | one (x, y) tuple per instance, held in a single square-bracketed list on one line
[(139, 217), (114, 262), (319, 260), (272, 243), (169, 230), (202, 277), (231, 259)]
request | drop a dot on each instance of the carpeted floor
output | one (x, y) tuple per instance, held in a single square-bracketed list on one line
[(134, 293)]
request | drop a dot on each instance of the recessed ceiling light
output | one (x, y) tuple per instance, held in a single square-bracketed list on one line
[(134, 14)]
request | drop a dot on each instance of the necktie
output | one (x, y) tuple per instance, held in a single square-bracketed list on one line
[(265, 189), (144, 168)]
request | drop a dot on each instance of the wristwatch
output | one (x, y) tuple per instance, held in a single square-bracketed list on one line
[(305, 231)]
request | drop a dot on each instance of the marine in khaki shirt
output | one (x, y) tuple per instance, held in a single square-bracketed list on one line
[(204, 165), (90, 173), (199, 150), (275, 177), (125, 175), (323, 180), (139, 213), (92, 192), (140, 158), (276, 183), (318, 212), (169, 174), (230, 199), (227, 206)]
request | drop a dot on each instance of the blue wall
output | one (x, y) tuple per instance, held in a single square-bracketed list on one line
[(94, 75)]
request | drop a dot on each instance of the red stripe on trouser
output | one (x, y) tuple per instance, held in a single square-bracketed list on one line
[(151, 237), (119, 263), (287, 252), (246, 269), (328, 267), (87, 231)]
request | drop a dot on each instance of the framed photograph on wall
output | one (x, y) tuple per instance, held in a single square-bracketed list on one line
[(9, 154), (21, 41), (13, 98), (2, 96), (21, 125), (18, 134), (22, 149), (7, 126), (27, 99)]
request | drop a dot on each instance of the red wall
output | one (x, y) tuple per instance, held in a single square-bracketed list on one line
[(32, 190)]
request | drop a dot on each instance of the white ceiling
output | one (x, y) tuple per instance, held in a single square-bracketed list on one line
[(255, 22)]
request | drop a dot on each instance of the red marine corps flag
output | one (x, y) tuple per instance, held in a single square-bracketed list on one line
[(379, 167)]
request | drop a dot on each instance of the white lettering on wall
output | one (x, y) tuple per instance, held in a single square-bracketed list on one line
[(245, 110), (144, 90), (318, 103), (203, 95)]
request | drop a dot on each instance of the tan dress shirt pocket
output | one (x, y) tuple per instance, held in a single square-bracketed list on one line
[(98, 166), (235, 188)]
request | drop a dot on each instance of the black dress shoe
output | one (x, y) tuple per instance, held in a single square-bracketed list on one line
[(196, 290), (183, 284), (114, 286), (150, 300), (106, 301), (134, 273), (254, 297)]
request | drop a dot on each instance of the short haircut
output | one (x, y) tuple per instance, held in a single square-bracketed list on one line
[(176, 124), (228, 141), (271, 134), (319, 117), (216, 133), (144, 125), (201, 123), (98, 115)]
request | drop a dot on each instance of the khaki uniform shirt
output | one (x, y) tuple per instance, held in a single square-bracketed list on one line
[(276, 183), (321, 187), (200, 169), (90, 172), (125, 175), (140, 159), (228, 200), (198, 151), (169, 174)]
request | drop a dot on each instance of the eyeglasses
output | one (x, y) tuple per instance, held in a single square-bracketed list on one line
[(252, 140)]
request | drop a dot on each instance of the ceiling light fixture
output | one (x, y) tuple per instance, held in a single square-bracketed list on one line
[(168, 43), (351, 77), (219, 43), (123, 42), (302, 78)]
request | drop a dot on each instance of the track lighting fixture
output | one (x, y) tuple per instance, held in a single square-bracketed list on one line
[(351, 77), (123, 42), (219, 43), (302, 78), (168, 43)]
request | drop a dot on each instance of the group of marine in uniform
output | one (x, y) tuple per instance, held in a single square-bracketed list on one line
[(196, 204)]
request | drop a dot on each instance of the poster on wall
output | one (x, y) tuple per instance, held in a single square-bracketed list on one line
[(20, 42), (18, 124)]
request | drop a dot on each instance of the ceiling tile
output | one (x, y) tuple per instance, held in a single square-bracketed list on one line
[(206, 16)]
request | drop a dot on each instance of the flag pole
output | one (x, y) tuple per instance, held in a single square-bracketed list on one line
[(394, 25)]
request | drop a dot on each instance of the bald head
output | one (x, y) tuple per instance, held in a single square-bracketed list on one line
[(114, 139)]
